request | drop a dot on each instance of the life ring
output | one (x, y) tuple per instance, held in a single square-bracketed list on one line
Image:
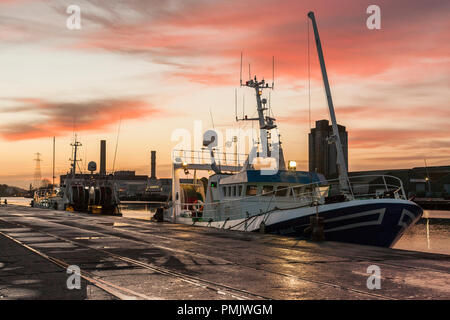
[(199, 205)]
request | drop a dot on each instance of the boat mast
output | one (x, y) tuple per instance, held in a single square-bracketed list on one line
[(342, 168), (53, 171), (266, 123), (75, 146)]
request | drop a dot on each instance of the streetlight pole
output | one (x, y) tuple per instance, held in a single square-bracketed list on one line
[(428, 176)]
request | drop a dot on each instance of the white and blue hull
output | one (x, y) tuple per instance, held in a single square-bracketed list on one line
[(377, 222)]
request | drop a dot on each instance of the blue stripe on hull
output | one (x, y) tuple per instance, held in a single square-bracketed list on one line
[(376, 224)]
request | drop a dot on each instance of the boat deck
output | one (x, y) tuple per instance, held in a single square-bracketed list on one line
[(123, 258)]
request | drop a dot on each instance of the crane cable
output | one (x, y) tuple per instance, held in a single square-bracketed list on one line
[(309, 77)]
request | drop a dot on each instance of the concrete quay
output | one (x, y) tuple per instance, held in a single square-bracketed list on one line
[(123, 258)]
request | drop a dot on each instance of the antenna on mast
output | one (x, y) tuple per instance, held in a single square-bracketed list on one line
[(273, 71), (235, 103), (212, 119), (249, 75), (241, 71), (270, 102)]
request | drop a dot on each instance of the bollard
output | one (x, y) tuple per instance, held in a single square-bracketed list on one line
[(159, 214), (262, 227), (316, 225)]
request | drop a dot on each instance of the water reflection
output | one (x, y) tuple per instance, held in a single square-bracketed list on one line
[(20, 201), (141, 210), (428, 235)]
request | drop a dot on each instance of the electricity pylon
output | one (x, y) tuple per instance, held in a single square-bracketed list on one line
[(37, 171)]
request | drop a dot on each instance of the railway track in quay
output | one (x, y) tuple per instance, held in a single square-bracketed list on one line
[(122, 292), (222, 268)]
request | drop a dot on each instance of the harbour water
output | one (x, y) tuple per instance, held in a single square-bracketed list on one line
[(142, 211), (430, 234), (16, 200)]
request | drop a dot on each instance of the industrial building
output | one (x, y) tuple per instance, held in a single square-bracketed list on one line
[(419, 182), (322, 152), (130, 185)]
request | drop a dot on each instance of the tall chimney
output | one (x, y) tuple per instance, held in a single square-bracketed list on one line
[(153, 165), (103, 157)]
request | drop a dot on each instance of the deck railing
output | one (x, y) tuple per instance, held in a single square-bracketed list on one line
[(203, 156)]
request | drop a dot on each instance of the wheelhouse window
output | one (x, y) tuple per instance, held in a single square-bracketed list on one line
[(252, 190), (282, 191), (224, 191), (234, 191), (298, 191), (239, 191), (267, 191)]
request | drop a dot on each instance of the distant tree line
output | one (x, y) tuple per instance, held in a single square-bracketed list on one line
[(8, 191)]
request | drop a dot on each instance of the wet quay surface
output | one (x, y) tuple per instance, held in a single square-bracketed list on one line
[(123, 258)]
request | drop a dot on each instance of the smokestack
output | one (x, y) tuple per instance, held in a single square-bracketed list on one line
[(153, 165), (103, 157)]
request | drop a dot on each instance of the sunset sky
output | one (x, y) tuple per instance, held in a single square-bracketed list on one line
[(159, 65)]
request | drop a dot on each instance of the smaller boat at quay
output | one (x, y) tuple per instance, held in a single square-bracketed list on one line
[(81, 192)]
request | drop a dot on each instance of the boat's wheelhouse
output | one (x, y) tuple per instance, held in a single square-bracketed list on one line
[(249, 183), (249, 192)]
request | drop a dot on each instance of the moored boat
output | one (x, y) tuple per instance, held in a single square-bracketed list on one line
[(369, 210), (89, 192)]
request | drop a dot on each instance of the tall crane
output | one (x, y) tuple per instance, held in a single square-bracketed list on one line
[(342, 168)]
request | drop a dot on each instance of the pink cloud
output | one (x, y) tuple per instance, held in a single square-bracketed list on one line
[(60, 118)]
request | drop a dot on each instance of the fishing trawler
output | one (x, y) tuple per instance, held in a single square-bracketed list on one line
[(263, 195), (89, 192)]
